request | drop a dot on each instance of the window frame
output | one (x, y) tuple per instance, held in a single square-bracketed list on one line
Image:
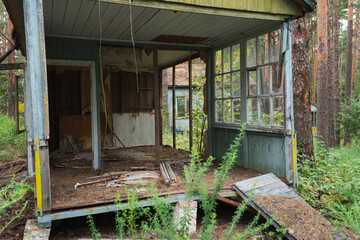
[(271, 95), (230, 73), (186, 98)]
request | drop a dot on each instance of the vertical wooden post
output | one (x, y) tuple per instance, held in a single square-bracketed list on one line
[(37, 79), (17, 103), (190, 106), (173, 106), (157, 106)]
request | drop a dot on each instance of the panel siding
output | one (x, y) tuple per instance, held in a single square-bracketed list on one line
[(134, 129)]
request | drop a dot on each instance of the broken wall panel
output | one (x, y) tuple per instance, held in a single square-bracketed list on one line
[(134, 129)]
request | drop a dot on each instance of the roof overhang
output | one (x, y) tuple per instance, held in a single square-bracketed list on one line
[(217, 21)]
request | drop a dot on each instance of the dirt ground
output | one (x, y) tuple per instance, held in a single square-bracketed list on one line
[(16, 229), (68, 169)]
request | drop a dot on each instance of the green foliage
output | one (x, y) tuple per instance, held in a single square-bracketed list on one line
[(333, 186), (350, 119), (94, 231), (9, 195), (8, 136), (160, 223)]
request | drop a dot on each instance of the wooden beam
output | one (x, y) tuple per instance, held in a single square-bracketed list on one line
[(157, 106), (12, 66), (17, 103), (190, 106), (173, 105)]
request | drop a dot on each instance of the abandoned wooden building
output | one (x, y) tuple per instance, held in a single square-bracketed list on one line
[(93, 86)]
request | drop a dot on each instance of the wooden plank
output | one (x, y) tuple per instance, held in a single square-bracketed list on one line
[(106, 19), (17, 103), (93, 20), (270, 185), (141, 20), (12, 66), (120, 17), (157, 106), (58, 16), (173, 106), (82, 17), (72, 11), (126, 22)]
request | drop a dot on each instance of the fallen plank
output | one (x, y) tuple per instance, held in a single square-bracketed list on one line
[(270, 190)]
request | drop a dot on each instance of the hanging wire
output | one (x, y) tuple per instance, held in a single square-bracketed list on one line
[(133, 44)]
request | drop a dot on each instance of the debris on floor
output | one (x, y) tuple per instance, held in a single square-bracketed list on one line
[(275, 200), (167, 173)]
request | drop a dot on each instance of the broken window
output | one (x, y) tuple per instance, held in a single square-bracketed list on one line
[(228, 85), (265, 105), (182, 106)]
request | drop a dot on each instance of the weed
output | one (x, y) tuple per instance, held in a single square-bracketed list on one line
[(333, 185), (9, 195), (160, 222)]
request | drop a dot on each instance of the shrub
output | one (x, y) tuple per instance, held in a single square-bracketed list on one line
[(350, 119), (160, 221)]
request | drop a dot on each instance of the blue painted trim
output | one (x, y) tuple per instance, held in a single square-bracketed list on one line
[(113, 207)]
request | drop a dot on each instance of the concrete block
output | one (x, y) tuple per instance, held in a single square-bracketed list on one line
[(33, 232), (186, 207)]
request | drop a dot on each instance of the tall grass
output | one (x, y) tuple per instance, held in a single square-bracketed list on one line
[(333, 186), (9, 140)]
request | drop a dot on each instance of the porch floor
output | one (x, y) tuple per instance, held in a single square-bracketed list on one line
[(69, 169)]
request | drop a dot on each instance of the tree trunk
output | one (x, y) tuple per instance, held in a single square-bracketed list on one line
[(323, 70), (335, 66), (348, 65), (301, 79), (355, 53), (11, 76)]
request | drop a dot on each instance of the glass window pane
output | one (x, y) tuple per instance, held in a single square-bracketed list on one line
[(237, 110), (252, 83), (236, 57), (187, 106), (252, 112), (218, 86), (264, 80), (218, 62), (278, 117), (236, 84), (263, 46), (265, 111), (227, 85), (277, 83), (251, 53), (226, 58), (227, 107), (219, 110), (274, 45)]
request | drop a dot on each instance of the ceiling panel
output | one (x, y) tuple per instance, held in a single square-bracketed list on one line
[(80, 18)]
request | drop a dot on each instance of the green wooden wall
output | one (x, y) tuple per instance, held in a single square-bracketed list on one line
[(71, 49)]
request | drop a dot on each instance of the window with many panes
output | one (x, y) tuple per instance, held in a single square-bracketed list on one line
[(227, 85), (265, 93)]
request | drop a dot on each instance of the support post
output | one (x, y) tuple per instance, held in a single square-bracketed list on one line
[(157, 106), (95, 118), (291, 165), (190, 107), (173, 106), (17, 103), (37, 84)]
